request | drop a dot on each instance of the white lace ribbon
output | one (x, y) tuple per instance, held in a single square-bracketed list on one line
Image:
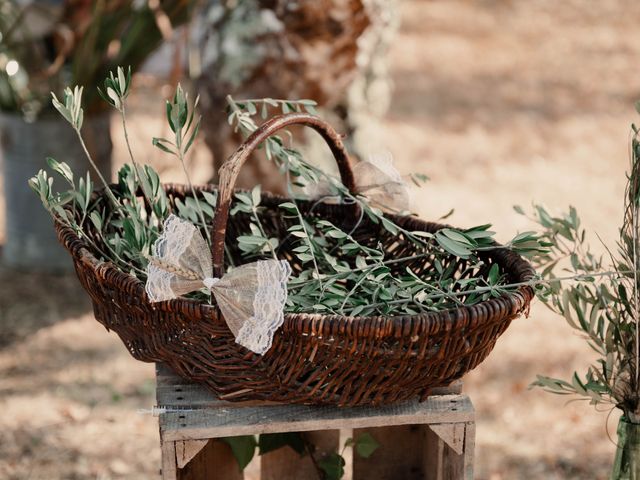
[(251, 297), (378, 180)]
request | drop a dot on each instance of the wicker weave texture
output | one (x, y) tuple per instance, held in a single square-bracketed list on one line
[(315, 359)]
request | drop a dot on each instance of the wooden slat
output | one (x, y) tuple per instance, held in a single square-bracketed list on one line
[(469, 449), (169, 468), (399, 456), (286, 464), (214, 462), (187, 449), (399, 429), (441, 451), (433, 450), (177, 392), (452, 434), (192, 396), (441, 462), (223, 422)]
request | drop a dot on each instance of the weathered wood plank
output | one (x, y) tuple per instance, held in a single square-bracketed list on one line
[(399, 456), (469, 449), (433, 454), (441, 462), (214, 462), (452, 434), (221, 422), (409, 449), (187, 449), (286, 464), (192, 396), (169, 468)]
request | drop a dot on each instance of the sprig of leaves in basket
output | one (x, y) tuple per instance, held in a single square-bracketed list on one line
[(340, 273), (366, 283)]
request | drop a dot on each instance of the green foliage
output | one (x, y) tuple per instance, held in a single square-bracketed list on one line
[(332, 466), (602, 305), (256, 242), (116, 88), (592, 306), (71, 106), (243, 448), (365, 445), (343, 276), (340, 273), (180, 117), (268, 442)]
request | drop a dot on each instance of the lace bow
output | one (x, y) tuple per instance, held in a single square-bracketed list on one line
[(251, 297), (377, 179)]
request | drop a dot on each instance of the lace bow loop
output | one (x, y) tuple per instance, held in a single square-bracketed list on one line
[(251, 297), (377, 179)]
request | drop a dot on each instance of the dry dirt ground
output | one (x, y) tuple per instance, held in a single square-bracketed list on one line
[(501, 103)]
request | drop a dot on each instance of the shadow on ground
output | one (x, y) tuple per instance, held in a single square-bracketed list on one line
[(30, 302)]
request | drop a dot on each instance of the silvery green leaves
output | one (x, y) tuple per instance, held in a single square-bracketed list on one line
[(78, 195), (190, 208), (250, 107), (301, 173), (146, 177), (116, 88), (594, 301), (465, 243), (590, 387), (340, 270), (256, 241), (70, 107), (182, 122), (62, 169), (355, 279), (42, 184), (455, 242), (343, 276), (289, 160)]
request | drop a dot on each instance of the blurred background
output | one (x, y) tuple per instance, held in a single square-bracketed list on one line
[(499, 102)]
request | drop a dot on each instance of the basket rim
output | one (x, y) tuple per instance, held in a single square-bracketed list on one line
[(507, 305)]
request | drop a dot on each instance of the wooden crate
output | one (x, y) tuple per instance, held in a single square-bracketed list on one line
[(432, 440)]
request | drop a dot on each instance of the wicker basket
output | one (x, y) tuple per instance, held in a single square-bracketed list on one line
[(315, 359)]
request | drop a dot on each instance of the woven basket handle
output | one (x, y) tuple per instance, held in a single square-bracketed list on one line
[(230, 169)]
